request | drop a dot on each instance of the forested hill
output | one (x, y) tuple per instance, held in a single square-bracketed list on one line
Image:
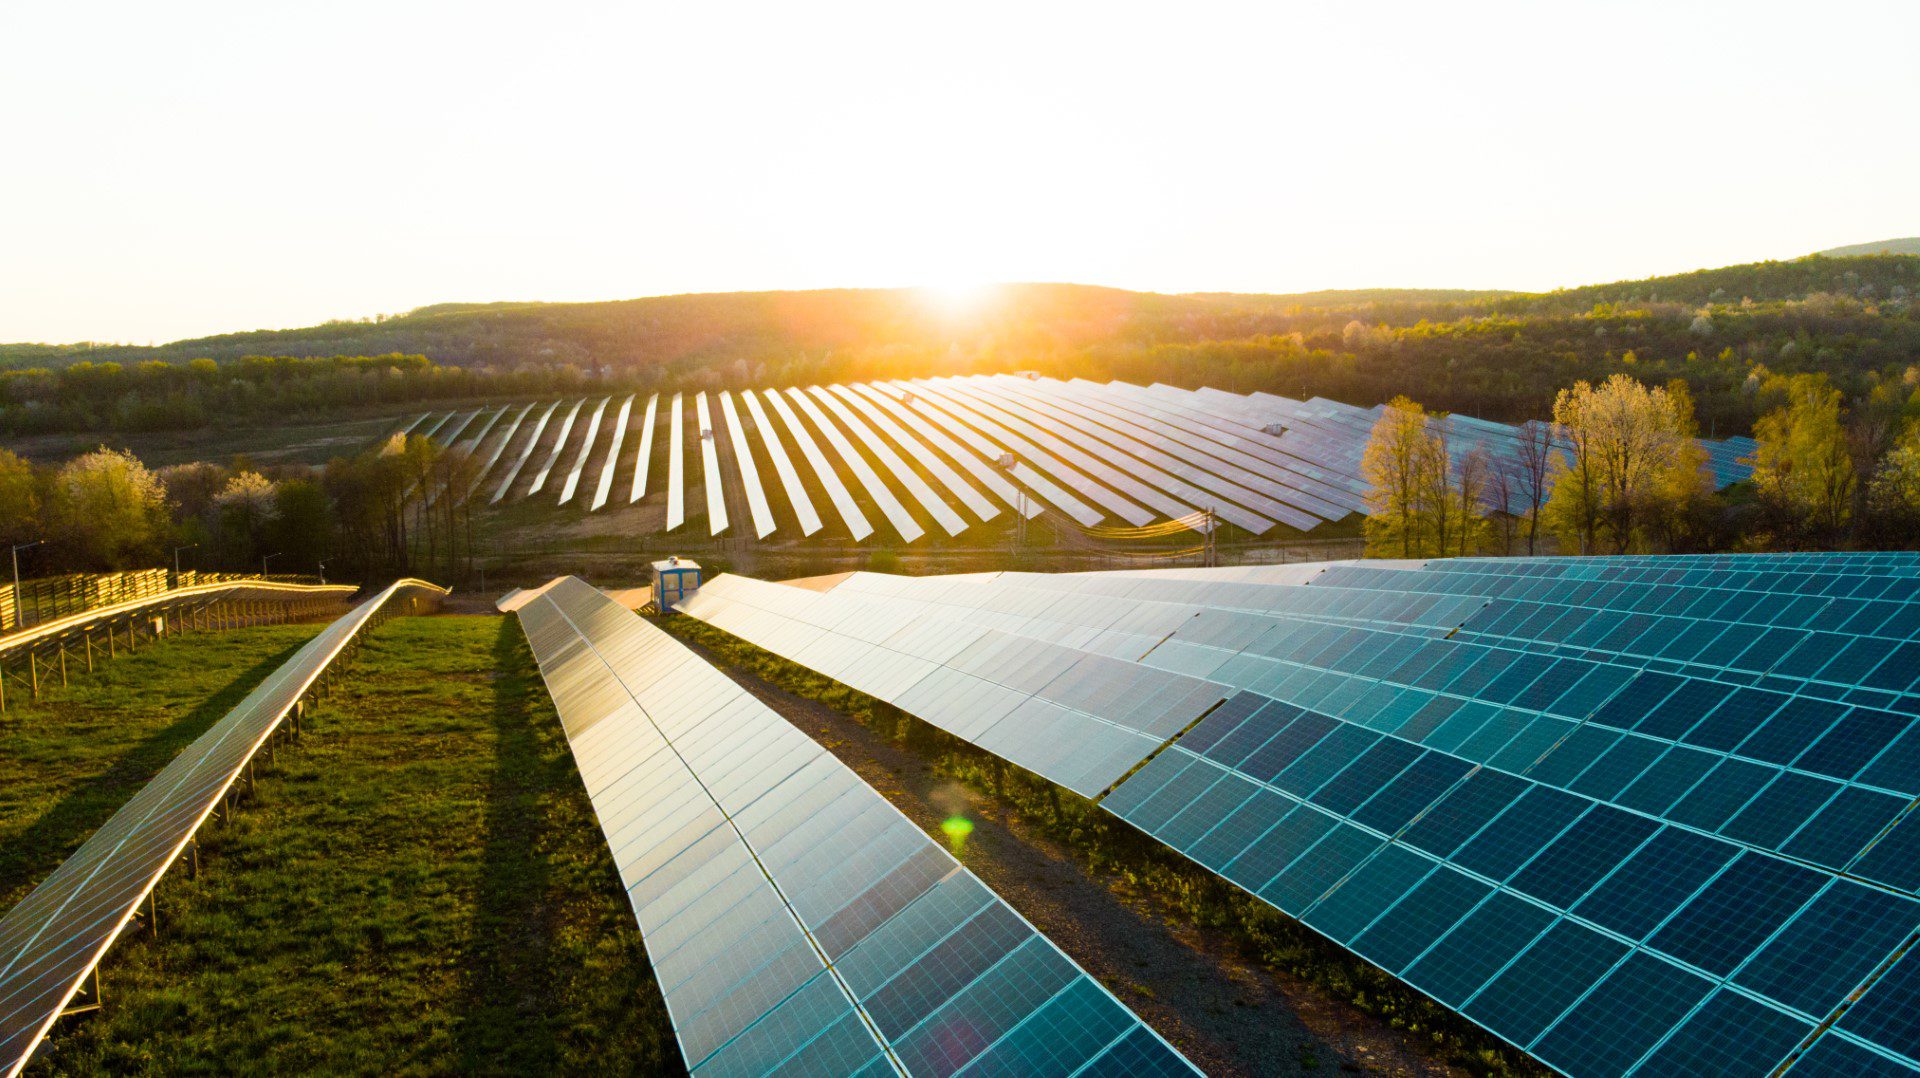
[(1908, 246), (1497, 354)]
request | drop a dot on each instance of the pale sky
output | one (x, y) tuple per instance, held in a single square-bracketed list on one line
[(195, 167)]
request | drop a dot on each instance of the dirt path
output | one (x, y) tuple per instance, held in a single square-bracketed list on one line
[(1230, 1016)]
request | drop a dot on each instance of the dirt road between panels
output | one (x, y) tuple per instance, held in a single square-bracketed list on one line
[(1229, 1015)]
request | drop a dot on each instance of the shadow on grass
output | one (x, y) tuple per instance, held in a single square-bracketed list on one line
[(51, 839), (512, 1012)]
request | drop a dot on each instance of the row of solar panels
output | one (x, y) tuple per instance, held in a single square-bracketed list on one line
[(796, 921), (949, 452), (54, 938), (1337, 431), (1619, 853)]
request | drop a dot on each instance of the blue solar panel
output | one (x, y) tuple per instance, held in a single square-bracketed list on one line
[(1635, 815)]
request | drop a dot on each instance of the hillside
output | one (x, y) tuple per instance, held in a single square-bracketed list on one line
[(1501, 355), (1908, 246)]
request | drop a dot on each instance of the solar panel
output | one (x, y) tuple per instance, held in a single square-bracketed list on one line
[(902, 472), (435, 428), (572, 484), (1216, 457), (710, 466), (931, 461), (644, 456), (526, 451), (559, 443), (983, 461), (408, 429), (54, 938), (676, 467), (749, 471), (605, 487), (1235, 504), (932, 401), (499, 448), (1047, 708), (796, 921), (863, 473), (837, 492), (783, 466), (456, 433), (472, 442), (1616, 867)]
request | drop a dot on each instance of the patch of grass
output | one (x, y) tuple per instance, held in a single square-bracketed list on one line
[(1131, 863), (70, 760), (419, 888)]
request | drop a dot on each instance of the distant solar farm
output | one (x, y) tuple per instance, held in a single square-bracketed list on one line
[(895, 461)]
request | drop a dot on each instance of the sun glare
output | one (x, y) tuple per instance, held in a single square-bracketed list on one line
[(958, 299)]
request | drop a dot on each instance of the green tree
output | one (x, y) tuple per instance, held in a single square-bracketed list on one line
[(1803, 467), (1630, 452), (20, 500), (1401, 457), (111, 511)]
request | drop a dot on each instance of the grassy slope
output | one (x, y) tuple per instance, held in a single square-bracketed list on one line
[(419, 888), (68, 762)]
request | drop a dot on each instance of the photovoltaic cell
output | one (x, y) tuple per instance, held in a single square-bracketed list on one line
[(796, 921)]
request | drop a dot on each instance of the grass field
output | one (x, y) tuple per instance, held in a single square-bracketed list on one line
[(70, 760), (418, 888)]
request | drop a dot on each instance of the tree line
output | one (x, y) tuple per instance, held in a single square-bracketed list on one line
[(403, 509), (1619, 469), (1497, 355)]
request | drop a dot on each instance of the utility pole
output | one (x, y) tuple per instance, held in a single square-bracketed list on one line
[(267, 558), (176, 561)]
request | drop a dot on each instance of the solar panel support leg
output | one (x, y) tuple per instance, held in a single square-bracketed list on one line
[(33, 672), (63, 666), (89, 651), (87, 999)]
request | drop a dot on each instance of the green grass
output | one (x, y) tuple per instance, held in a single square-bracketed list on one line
[(70, 760), (418, 888), (1132, 864)]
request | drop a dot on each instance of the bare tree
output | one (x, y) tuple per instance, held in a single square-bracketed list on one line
[(1533, 474)]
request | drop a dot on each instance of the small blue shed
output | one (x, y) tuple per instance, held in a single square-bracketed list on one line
[(673, 580)]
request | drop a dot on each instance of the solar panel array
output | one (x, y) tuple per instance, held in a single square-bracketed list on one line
[(52, 940), (797, 922), (1632, 815), (947, 453)]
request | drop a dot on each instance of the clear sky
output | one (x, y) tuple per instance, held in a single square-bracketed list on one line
[(177, 169)]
